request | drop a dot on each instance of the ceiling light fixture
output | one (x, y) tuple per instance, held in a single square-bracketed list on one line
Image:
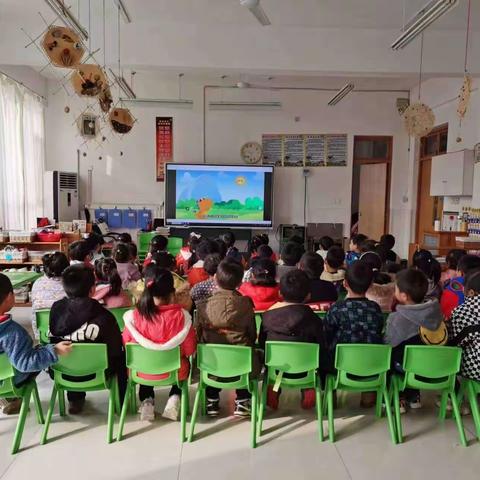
[(423, 19), (257, 10), (164, 101), (245, 105), (342, 93), (126, 16), (64, 13)]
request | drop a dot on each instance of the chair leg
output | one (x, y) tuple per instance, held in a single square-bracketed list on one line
[(378, 404), (472, 397), (21, 420), (263, 402), (458, 418), (48, 419), (183, 411), (203, 399), (254, 390), (391, 424), (118, 405), (396, 406), (38, 405), (61, 402), (318, 398), (331, 423), (123, 413), (442, 413), (111, 414), (193, 420), (133, 399)]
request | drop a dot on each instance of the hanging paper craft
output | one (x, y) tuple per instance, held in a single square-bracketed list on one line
[(63, 47), (464, 96), (89, 80), (121, 120), (105, 99), (419, 119)]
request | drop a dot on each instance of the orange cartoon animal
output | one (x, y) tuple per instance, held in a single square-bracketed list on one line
[(204, 206)]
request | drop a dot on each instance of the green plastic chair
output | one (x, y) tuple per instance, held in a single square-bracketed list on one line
[(85, 359), (174, 245), (429, 367), (217, 362), (472, 389), (361, 368), (143, 243), (258, 320), (118, 313), (25, 392), (291, 358), (42, 319), (151, 362)]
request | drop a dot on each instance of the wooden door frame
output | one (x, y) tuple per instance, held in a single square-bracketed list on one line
[(438, 130), (369, 161)]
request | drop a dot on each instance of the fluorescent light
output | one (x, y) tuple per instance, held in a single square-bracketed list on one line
[(244, 105), (423, 19), (68, 18), (123, 9), (162, 101), (342, 93), (124, 86)]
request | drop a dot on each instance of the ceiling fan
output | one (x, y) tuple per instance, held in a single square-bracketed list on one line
[(255, 7)]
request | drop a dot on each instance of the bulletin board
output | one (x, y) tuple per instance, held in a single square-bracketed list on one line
[(305, 150)]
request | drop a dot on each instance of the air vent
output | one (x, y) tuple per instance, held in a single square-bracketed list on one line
[(68, 181)]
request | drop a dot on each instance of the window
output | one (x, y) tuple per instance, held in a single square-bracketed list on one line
[(22, 144), (371, 148)]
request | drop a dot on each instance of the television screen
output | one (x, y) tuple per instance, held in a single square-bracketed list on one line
[(218, 195)]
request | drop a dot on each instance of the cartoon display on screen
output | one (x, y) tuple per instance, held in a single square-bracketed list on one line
[(220, 195)]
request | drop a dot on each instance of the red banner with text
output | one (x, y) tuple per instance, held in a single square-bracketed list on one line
[(164, 138)]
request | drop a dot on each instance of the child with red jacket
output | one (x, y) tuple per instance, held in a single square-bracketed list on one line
[(159, 324), (158, 243), (453, 292), (262, 288), (198, 273)]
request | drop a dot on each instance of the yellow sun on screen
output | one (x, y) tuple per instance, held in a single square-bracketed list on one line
[(240, 181)]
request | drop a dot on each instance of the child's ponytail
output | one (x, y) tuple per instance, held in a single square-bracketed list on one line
[(106, 272), (158, 284)]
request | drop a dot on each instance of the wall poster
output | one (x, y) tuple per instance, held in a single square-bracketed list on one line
[(164, 139)]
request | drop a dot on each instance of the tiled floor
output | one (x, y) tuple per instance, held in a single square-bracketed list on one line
[(289, 449)]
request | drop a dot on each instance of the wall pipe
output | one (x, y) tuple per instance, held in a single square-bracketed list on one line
[(273, 88)]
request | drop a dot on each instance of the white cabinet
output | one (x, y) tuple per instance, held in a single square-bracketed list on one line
[(452, 174)]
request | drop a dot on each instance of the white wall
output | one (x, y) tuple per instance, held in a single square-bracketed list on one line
[(26, 76), (133, 177)]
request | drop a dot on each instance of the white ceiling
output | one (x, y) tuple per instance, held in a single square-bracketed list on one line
[(310, 41)]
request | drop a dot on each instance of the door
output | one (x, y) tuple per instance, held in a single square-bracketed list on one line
[(426, 203), (373, 190)]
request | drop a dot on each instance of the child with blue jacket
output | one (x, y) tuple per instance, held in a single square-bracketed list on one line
[(17, 344)]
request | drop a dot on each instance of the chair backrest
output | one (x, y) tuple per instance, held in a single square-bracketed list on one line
[(320, 314), (42, 319), (140, 360), (143, 243), (224, 361), (6, 375), (292, 357), (362, 365), (258, 320), (174, 245), (85, 360), (118, 313), (431, 367)]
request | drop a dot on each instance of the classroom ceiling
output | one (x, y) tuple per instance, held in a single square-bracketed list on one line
[(308, 39)]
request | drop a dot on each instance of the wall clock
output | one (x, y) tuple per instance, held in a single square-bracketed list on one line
[(251, 152)]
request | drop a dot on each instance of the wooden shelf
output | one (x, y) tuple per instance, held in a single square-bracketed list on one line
[(28, 304), (31, 243), (20, 265)]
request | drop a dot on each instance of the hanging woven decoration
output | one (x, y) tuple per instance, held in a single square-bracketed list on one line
[(419, 119), (121, 120), (89, 80), (105, 99), (63, 47), (464, 96)]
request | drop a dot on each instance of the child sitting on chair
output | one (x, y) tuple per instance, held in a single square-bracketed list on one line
[(159, 323), (227, 317), (354, 251), (320, 290), (80, 318), (157, 244), (126, 268), (262, 288), (291, 254), (291, 320), (204, 290), (108, 290), (325, 243), (333, 271), (197, 273), (17, 344), (411, 323), (79, 253)]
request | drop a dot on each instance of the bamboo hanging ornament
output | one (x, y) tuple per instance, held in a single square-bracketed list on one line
[(63, 47), (89, 80), (121, 120), (466, 89)]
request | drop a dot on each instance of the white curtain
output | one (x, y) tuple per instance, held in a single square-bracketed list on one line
[(22, 156)]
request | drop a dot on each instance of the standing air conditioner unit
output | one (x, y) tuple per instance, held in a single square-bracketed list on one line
[(60, 190)]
